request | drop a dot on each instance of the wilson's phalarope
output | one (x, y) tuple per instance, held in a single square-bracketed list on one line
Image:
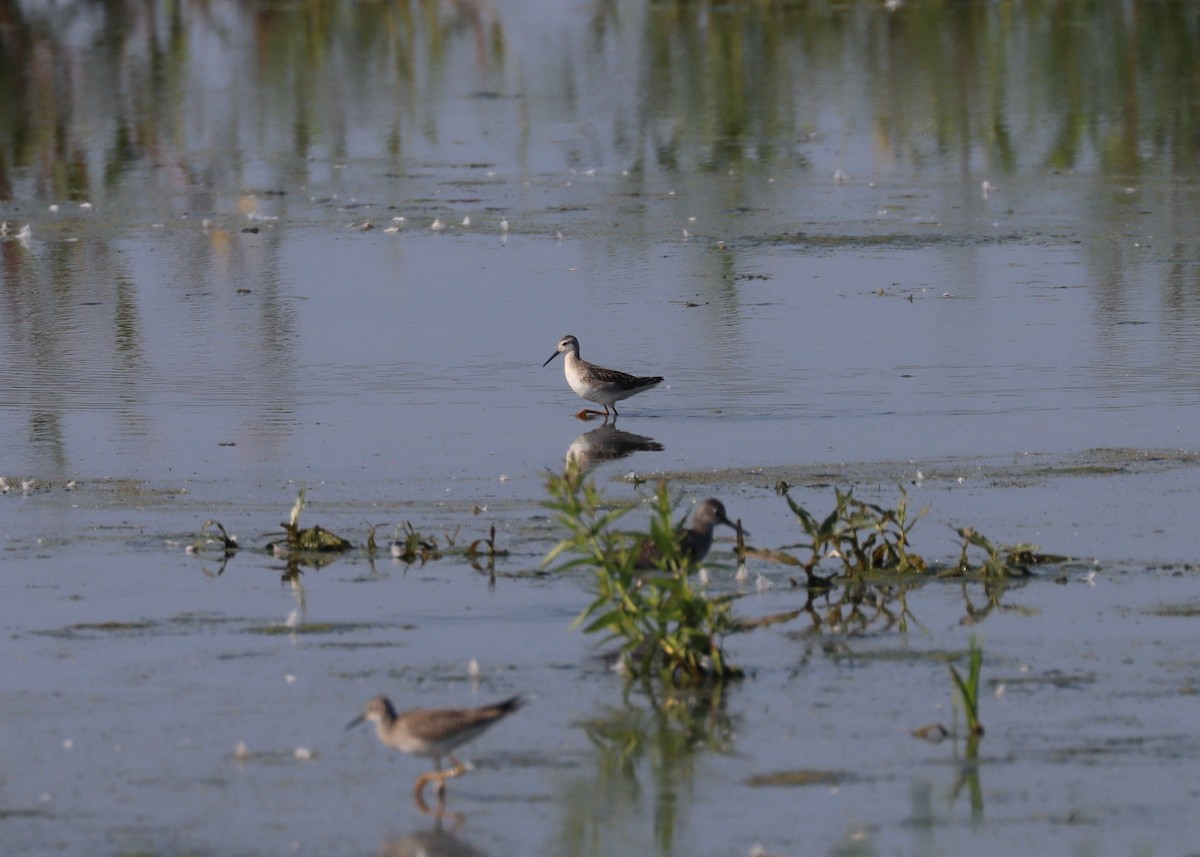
[(433, 732), (695, 541), (595, 383)]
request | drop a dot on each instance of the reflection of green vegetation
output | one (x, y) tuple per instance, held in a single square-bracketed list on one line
[(944, 80), (740, 85), (859, 608), (728, 81), (304, 67), (664, 737)]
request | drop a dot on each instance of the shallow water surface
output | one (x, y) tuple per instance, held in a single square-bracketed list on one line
[(330, 245)]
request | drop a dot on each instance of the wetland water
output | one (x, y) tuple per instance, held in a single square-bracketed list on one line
[(953, 247)]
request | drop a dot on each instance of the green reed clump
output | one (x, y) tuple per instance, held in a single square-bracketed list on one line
[(409, 545), (665, 626), (863, 537), (867, 539), (314, 538), (1000, 561)]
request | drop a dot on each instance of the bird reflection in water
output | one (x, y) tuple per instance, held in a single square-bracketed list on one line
[(607, 443), (433, 843)]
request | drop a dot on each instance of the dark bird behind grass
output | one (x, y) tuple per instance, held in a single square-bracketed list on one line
[(694, 541)]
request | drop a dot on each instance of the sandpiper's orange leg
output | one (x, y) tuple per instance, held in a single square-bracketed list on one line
[(458, 770), (440, 778), (419, 786)]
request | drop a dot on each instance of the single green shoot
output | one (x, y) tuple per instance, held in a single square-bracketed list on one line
[(968, 689)]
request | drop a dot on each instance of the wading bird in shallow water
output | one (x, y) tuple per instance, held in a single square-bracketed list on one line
[(433, 733), (595, 383), (695, 541)]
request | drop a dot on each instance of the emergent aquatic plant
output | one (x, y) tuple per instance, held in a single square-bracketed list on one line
[(968, 689), (229, 544), (310, 539), (862, 536), (1001, 561), (664, 624), (316, 546), (868, 540), (414, 546)]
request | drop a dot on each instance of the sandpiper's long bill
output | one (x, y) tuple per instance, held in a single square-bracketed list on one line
[(596, 384), (433, 732)]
